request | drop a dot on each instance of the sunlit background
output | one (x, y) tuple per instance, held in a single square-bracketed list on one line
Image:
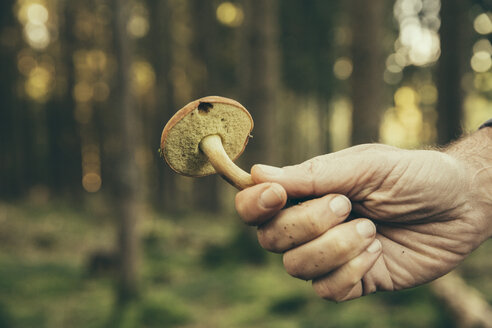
[(317, 76)]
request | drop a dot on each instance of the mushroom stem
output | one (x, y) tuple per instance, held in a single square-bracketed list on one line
[(212, 147)]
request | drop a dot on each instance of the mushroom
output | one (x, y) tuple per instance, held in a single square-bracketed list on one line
[(205, 137)]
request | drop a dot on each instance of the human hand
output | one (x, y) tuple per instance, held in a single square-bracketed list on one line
[(425, 217)]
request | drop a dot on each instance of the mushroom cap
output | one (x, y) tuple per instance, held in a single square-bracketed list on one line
[(200, 118)]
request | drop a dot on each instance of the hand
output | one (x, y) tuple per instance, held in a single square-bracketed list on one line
[(426, 213)]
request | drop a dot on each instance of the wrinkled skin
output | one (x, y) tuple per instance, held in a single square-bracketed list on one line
[(413, 215)]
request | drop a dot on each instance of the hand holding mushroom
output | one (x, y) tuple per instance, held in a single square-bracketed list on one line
[(431, 208)]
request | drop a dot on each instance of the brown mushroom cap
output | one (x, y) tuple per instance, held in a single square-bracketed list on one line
[(203, 117)]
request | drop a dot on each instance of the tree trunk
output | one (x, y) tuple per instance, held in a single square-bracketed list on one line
[(164, 189), (454, 35), (466, 304), (205, 190), (367, 84), (64, 142), (10, 145), (127, 176), (259, 76)]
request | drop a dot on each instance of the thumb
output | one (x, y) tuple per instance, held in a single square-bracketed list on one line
[(346, 172)]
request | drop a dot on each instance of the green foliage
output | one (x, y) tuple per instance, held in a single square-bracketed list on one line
[(243, 248), (197, 271), (5, 316), (289, 305), (158, 313)]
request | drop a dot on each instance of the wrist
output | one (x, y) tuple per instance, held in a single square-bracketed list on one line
[(474, 153)]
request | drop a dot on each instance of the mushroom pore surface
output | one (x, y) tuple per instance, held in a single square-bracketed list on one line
[(181, 148)]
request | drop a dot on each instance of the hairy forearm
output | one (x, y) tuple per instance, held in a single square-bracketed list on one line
[(475, 153)]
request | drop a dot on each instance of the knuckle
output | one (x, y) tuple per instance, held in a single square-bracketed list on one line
[(339, 298), (323, 290), (311, 222), (293, 265), (341, 246), (240, 205), (353, 270), (268, 240), (353, 280), (312, 168), (314, 165), (243, 208)]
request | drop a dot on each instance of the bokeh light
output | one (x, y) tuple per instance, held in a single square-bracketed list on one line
[(138, 23), (35, 16), (340, 126), (343, 36), (138, 26), (403, 124), (96, 60), (83, 92), (395, 62), (427, 94), (37, 35), (91, 168), (483, 82), (39, 83), (91, 182), (418, 42), (143, 77), (481, 61), (483, 23), (392, 78), (230, 14), (482, 45), (26, 63), (477, 110), (37, 13), (343, 68)]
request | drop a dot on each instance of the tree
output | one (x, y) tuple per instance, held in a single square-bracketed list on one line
[(126, 184), (259, 75), (64, 160), (205, 42), (10, 147), (367, 84), (454, 34)]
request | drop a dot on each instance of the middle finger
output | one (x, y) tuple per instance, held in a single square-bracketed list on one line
[(301, 223), (331, 250)]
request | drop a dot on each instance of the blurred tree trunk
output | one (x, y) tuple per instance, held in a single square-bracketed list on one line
[(467, 306), (126, 185), (165, 189), (454, 34), (10, 147), (259, 76), (205, 190), (64, 141), (181, 78), (367, 22)]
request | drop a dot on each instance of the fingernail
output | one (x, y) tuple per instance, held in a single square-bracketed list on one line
[(340, 206), (270, 170), (374, 247), (271, 197), (365, 228)]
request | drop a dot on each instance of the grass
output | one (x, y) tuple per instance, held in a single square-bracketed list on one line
[(196, 271)]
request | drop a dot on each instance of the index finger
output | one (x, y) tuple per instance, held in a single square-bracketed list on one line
[(345, 172)]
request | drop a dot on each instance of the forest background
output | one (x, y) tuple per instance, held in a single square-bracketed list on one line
[(97, 231)]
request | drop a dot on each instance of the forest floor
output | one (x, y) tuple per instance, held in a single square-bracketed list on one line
[(197, 270)]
